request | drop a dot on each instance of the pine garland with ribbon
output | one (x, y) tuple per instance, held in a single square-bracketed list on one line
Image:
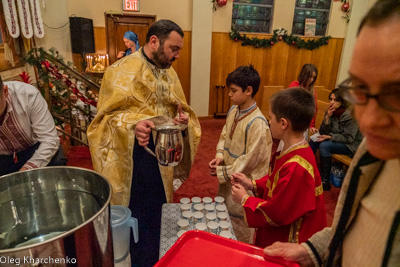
[(279, 35), (60, 83)]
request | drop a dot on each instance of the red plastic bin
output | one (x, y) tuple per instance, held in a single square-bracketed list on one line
[(198, 248)]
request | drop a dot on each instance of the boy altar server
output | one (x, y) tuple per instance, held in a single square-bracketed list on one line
[(288, 203), (244, 145)]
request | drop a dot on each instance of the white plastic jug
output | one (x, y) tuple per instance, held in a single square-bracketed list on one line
[(121, 222)]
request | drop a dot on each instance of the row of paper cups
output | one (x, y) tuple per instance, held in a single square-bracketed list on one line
[(212, 227), (197, 216), (205, 200), (202, 208)]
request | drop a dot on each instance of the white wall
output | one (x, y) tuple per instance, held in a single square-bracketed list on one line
[(358, 9), (55, 15), (201, 57)]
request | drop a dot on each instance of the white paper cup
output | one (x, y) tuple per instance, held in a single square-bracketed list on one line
[(222, 216), (224, 225), (211, 217), (213, 227), (180, 233), (198, 217), (198, 207), (226, 234), (187, 215), (220, 208), (184, 200), (183, 224), (219, 200), (201, 226), (196, 200), (207, 200), (185, 207), (209, 208)]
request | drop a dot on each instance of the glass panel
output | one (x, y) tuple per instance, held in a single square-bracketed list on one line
[(250, 25), (261, 2), (251, 12), (316, 9), (320, 4), (252, 15)]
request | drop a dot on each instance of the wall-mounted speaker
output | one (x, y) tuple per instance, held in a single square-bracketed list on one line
[(82, 36)]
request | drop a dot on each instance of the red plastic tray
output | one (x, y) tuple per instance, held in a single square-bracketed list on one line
[(198, 248)]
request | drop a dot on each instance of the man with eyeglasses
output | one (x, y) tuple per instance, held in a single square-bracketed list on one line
[(366, 226)]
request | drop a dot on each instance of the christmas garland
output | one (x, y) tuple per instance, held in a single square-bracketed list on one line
[(58, 76), (55, 73), (279, 35)]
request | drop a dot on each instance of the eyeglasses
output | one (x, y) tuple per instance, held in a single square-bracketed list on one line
[(388, 98)]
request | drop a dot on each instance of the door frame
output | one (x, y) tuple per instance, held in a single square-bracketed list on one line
[(113, 21)]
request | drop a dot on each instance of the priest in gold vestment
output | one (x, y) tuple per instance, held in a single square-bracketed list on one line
[(142, 89)]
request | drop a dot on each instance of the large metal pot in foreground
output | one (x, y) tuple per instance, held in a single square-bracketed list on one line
[(55, 216)]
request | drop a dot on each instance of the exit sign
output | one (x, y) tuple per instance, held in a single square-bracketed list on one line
[(131, 5)]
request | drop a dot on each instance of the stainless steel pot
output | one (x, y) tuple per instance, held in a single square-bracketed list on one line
[(55, 216)]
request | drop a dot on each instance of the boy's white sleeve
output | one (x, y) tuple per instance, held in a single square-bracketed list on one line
[(220, 145), (256, 158)]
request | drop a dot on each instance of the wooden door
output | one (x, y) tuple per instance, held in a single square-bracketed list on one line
[(118, 24)]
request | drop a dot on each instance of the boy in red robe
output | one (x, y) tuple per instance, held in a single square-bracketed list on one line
[(288, 205)]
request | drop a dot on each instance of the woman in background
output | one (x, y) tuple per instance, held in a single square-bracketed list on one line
[(132, 42), (339, 135)]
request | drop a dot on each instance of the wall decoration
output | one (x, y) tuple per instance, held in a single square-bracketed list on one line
[(11, 18), (37, 18), (346, 9), (279, 35), (30, 18), (25, 18), (218, 3)]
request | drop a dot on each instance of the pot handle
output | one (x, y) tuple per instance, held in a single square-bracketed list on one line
[(149, 150), (134, 224)]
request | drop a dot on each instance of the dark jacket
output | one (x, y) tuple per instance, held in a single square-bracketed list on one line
[(343, 130)]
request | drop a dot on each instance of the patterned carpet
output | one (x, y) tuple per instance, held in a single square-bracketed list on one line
[(200, 182)]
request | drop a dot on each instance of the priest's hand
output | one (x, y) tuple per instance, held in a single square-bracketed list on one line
[(143, 131), (182, 118), (290, 252), (238, 192), (240, 178)]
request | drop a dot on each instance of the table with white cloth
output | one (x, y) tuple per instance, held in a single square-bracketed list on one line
[(171, 213)]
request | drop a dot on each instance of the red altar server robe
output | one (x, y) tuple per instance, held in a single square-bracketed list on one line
[(288, 205)]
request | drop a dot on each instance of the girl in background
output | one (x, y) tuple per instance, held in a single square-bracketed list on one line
[(306, 79)]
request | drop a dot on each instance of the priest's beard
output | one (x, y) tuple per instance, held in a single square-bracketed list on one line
[(160, 59)]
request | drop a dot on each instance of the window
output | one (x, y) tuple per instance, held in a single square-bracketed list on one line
[(315, 9), (252, 15)]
